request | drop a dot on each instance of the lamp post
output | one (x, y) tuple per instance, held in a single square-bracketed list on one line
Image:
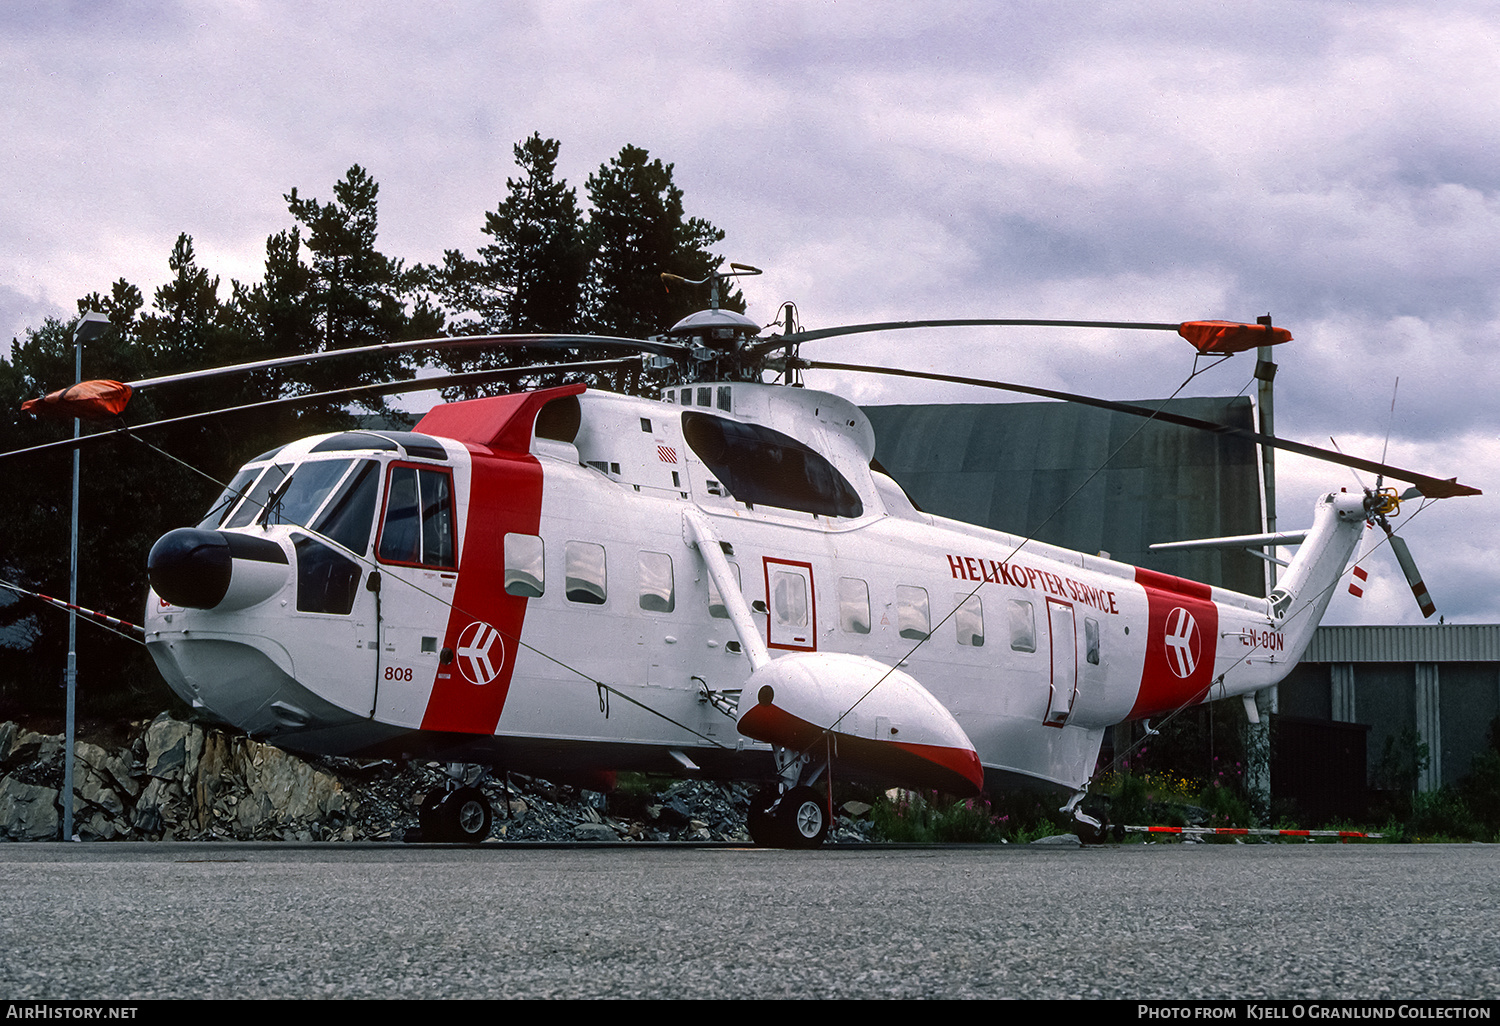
[(90, 326)]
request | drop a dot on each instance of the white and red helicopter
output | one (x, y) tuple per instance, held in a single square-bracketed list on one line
[(721, 581)]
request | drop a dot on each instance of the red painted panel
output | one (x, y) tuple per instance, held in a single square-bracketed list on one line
[(505, 497), (501, 422), (1182, 638)]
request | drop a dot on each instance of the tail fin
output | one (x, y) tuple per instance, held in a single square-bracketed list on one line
[(1303, 594)]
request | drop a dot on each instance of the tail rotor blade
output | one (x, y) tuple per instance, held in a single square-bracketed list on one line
[(1360, 575), (1409, 568)]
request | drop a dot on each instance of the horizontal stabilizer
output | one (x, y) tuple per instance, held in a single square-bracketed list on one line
[(1237, 541)]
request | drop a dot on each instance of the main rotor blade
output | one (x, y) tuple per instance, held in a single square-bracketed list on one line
[(536, 341), (352, 392), (1430, 486), (798, 337)]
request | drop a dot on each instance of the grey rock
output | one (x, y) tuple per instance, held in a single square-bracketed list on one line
[(28, 812), (594, 832), (172, 748)]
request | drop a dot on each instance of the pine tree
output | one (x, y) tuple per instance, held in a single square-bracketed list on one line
[(637, 230), (529, 279), (357, 294), (537, 262)]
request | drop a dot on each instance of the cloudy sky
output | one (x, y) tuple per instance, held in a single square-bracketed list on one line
[(1334, 164)]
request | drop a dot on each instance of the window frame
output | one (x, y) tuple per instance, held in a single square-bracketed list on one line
[(384, 512)]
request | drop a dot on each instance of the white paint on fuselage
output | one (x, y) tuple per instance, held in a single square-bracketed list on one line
[(628, 501)]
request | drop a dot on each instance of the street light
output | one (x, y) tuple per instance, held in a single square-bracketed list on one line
[(90, 326)]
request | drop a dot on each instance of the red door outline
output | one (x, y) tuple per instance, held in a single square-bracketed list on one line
[(793, 640)]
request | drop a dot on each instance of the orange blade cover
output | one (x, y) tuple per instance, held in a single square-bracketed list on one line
[(1231, 337), (89, 400)]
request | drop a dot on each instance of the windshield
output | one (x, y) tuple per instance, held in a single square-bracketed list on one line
[(310, 486), (250, 509), (228, 497)]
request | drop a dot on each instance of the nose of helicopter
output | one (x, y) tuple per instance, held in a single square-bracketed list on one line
[(191, 567), (200, 569)]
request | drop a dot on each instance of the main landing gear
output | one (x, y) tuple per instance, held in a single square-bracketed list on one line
[(1090, 830), (790, 814), (460, 815), (795, 819)]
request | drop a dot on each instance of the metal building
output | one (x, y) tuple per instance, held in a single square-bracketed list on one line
[(1441, 681)]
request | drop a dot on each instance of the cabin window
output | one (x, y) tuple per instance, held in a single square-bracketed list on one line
[(523, 566), (912, 612), (1022, 626), (716, 606), (418, 528), (1091, 640), (724, 394), (657, 594), (854, 605), (759, 466), (327, 581), (789, 599), (583, 573), (969, 620)]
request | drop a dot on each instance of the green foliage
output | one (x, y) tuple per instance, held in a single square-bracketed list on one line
[(1442, 815), (1149, 798), (551, 269), (1399, 768), (1481, 788), (530, 278), (357, 295), (637, 229), (927, 817)]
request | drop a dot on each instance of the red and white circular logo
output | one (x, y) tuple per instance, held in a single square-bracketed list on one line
[(481, 653), (1183, 642)]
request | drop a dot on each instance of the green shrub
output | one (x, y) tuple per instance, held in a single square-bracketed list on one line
[(911, 817), (1442, 815)]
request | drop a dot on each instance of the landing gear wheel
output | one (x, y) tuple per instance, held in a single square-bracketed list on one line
[(760, 821), (429, 819), (465, 816), (803, 818), (1092, 831)]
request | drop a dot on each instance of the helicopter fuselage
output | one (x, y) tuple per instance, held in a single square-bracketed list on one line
[(521, 582)]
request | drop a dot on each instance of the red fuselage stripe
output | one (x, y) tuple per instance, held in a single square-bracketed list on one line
[(505, 497)]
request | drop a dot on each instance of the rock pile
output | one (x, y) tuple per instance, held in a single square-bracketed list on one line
[(181, 781)]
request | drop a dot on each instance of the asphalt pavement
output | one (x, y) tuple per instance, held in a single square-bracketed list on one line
[(1135, 922)]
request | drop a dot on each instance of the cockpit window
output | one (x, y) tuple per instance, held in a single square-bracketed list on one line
[(761, 466), (309, 488), (255, 503), (228, 497), (349, 515)]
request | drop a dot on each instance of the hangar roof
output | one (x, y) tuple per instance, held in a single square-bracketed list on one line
[(1418, 643)]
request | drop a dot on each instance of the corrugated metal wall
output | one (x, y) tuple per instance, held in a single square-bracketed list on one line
[(1424, 643)]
